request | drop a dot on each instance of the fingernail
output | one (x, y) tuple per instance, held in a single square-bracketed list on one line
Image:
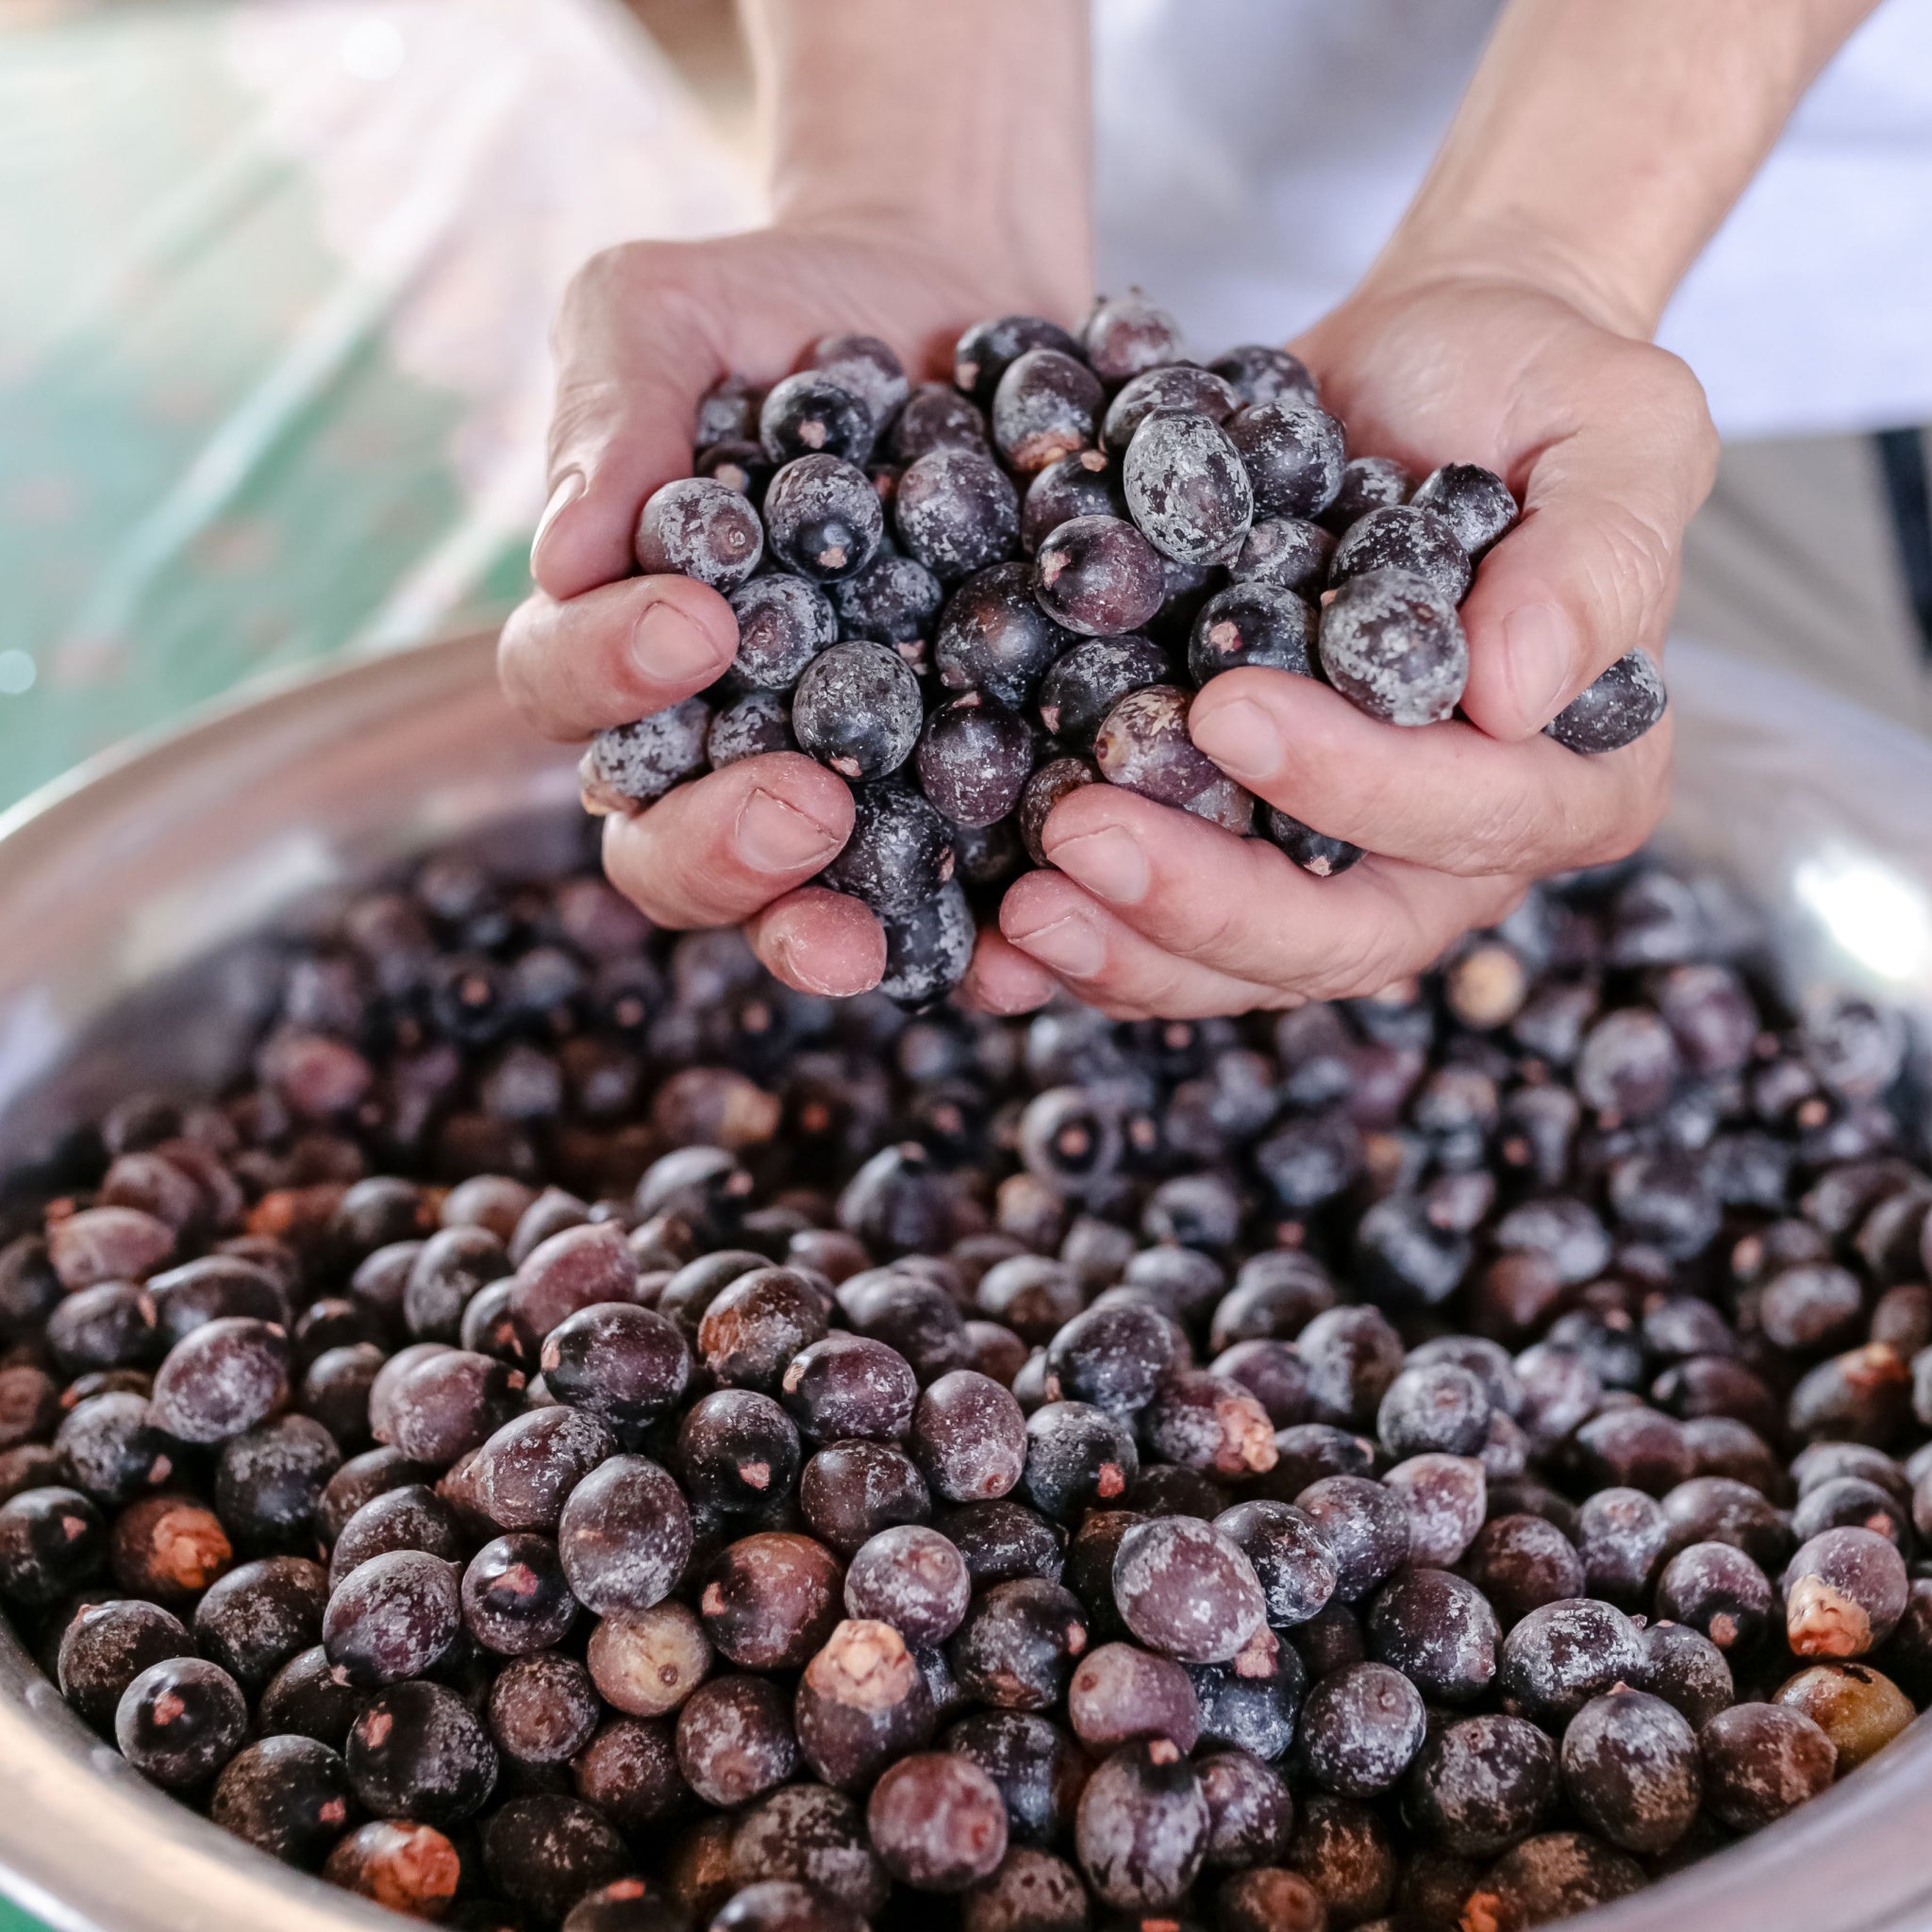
[(1022, 985), (668, 648), (1241, 739), (570, 486), (793, 967), (1068, 945), (1109, 861), (1540, 646), (774, 836)]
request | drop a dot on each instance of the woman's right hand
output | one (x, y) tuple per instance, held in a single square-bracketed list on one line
[(645, 330)]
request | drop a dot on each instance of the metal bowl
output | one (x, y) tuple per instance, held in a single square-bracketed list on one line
[(133, 901)]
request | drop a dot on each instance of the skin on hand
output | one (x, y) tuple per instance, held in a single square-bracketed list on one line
[(1595, 151), (646, 329), (1607, 443), (901, 209)]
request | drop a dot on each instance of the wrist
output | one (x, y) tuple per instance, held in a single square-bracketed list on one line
[(1505, 249), (961, 132)]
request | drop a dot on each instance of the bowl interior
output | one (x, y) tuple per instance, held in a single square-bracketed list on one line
[(137, 900)]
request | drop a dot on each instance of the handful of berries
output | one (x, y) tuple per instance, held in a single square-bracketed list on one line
[(968, 599)]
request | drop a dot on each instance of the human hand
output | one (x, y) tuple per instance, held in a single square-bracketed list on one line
[(1607, 443), (645, 330)]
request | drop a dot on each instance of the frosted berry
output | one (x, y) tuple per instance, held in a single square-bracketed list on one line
[(1407, 538), (866, 368), (1083, 483), (1086, 683), (1182, 386), (974, 756), (956, 511), (1393, 644), (1616, 711), (1125, 334), (857, 710), (984, 353), (900, 852), (1288, 552), (1258, 373), (1293, 454), (1047, 405), (1143, 745), (1045, 790), (994, 636), (824, 518), (696, 527), (928, 950), (1252, 623), (1474, 502), (810, 415), (783, 624), (1185, 487)]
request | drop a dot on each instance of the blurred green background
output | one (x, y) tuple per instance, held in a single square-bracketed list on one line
[(274, 362)]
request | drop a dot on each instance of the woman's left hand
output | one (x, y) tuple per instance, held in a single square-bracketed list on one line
[(1607, 443)]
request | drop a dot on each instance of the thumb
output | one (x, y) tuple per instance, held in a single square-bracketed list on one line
[(1590, 572), (634, 357)]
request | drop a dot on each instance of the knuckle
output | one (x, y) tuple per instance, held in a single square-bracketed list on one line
[(617, 277), (1509, 833)]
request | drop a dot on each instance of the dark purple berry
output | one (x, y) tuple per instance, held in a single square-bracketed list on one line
[(974, 758), (1083, 483), (1047, 405), (956, 511), (1393, 646), (1252, 623), (857, 710), (985, 352), (1045, 790), (783, 624), (1475, 503), (824, 518), (696, 527), (929, 949), (1616, 711), (1314, 852), (1258, 372), (1099, 575), (1368, 483), (866, 367), (1142, 746), (813, 414), (1293, 454), (936, 416), (181, 1720), (636, 764), (1124, 335), (1186, 488)]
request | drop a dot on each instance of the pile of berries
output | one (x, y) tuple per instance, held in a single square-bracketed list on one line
[(583, 1434), (970, 598)]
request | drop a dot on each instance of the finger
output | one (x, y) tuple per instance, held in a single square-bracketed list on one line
[(614, 655), (1002, 979), (634, 354), (820, 941), (1246, 910), (1447, 796), (719, 850), (1111, 966), (1590, 572)]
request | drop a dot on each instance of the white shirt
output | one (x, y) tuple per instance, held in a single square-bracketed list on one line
[(1255, 154)]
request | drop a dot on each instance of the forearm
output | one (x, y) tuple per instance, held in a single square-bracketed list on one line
[(1602, 141), (966, 121)]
